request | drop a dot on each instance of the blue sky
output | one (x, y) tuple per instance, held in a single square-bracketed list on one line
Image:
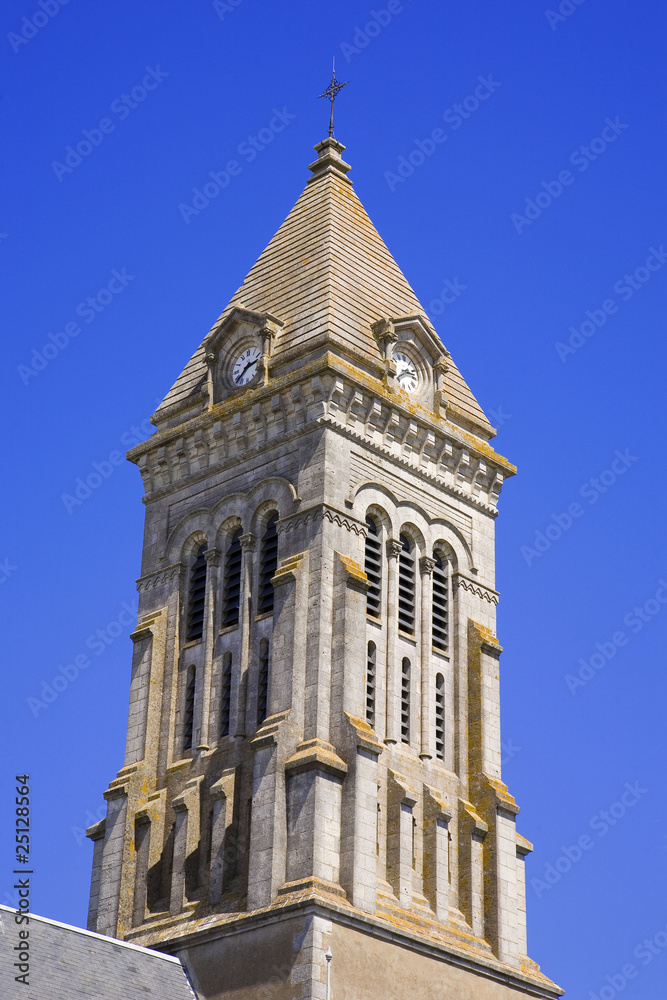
[(533, 230)]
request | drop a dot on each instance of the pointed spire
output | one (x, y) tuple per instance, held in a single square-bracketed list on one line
[(327, 277)]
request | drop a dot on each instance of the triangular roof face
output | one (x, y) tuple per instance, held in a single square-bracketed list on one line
[(327, 274), (69, 963)]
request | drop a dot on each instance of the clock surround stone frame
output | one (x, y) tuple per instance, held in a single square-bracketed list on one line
[(237, 331)]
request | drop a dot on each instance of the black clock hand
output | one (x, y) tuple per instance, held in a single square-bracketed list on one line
[(249, 365)]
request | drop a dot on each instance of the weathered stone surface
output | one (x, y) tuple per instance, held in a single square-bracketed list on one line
[(299, 773)]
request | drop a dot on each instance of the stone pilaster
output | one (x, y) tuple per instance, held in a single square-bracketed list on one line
[(223, 834)]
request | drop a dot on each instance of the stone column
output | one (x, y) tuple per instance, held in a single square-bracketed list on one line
[(437, 817), (186, 840), (393, 686), (426, 565), (111, 869), (268, 821), (142, 840), (472, 832), (360, 816), (248, 546), (223, 836), (401, 801), (506, 888), (96, 834), (212, 557), (523, 847)]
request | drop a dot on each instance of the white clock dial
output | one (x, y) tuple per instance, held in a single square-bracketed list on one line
[(245, 367), (406, 373)]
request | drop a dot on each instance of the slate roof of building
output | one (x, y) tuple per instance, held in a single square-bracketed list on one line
[(68, 963), (326, 270)]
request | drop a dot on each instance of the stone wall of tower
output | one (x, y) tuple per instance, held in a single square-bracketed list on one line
[(315, 799), (278, 796)]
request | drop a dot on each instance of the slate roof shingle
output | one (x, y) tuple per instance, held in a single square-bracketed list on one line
[(68, 963)]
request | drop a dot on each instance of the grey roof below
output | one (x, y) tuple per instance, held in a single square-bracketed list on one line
[(67, 963)]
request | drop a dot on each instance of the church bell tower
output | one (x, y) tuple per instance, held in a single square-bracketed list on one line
[(311, 802)]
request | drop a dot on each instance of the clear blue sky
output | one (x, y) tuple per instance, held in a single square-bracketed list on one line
[(572, 119)]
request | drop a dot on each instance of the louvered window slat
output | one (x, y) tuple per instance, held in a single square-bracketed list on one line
[(440, 717), (370, 684), (189, 708), (373, 568), (231, 598), (226, 694), (268, 565), (406, 588), (196, 597), (405, 701), (440, 620), (263, 682)]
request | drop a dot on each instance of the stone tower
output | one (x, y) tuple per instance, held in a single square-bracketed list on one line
[(312, 785)]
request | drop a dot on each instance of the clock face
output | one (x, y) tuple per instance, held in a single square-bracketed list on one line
[(245, 366), (406, 373)]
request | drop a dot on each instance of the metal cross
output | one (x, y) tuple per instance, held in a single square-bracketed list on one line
[(332, 92)]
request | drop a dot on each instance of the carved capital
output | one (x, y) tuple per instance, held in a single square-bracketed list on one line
[(394, 548), (440, 369), (212, 556), (386, 336), (426, 566), (248, 541)]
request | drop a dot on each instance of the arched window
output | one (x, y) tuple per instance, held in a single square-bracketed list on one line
[(440, 717), (189, 708), (406, 587), (263, 682), (405, 701), (231, 594), (370, 684), (440, 616), (196, 597), (373, 568), (225, 694), (268, 564)]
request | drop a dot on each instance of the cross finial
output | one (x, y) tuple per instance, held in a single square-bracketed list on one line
[(332, 92)]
